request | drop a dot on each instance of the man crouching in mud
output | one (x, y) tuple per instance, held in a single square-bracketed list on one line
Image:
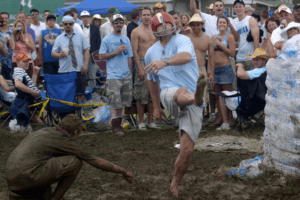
[(172, 62), (51, 155)]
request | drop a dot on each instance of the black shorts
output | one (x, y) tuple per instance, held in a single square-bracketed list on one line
[(51, 67), (81, 83)]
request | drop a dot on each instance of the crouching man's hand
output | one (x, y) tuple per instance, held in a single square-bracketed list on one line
[(128, 177)]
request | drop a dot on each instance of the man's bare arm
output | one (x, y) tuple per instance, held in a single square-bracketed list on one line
[(241, 72), (211, 57), (193, 7), (135, 48), (130, 64), (279, 44), (26, 89), (254, 31), (235, 34)]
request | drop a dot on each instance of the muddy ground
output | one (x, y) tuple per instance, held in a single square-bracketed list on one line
[(150, 156)]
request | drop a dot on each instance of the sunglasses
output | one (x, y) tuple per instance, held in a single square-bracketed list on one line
[(33, 14), (297, 10), (66, 24), (23, 58), (120, 22)]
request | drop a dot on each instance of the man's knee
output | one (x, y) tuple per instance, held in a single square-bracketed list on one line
[(186, 144), (179, 92)]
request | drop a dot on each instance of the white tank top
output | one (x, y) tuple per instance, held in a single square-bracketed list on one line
[(243, 28)]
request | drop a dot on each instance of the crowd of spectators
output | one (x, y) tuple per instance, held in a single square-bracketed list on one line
[(69, 48)]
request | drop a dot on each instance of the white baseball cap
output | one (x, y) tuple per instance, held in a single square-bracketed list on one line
[(117, 16), (284, 8), (84, 13)]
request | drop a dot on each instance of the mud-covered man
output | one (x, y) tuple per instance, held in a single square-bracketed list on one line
[(172, 66), (51, 155)]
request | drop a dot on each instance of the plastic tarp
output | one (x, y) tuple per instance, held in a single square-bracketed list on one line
[(61, 87), (99, 7)]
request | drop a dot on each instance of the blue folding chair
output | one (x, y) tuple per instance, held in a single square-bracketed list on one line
[(60, 87)]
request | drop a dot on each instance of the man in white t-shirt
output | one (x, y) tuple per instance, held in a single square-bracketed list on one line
[(244, 25), (107, 27), (211, 20), (285, 17), (36, 25)]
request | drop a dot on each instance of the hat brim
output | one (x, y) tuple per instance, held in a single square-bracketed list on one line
[(260, 56), (203, 22), (164, 7), (284, 33), (103, 20)]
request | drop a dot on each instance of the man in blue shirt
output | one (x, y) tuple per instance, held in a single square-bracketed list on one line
[(116, 50), (259, 60), (47, 40), (172, 64), (72, 50)]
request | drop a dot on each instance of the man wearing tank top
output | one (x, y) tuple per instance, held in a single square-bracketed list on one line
[(244, 25), (285, 17)]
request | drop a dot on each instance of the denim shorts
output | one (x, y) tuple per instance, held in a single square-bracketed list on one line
[(223, 75)]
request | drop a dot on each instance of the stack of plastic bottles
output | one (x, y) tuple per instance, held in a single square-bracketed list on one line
[(282, 121)]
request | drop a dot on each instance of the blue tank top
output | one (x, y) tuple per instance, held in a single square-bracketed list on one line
[(224, 41), (48, 39)]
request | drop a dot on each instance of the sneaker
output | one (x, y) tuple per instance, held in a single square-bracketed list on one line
[(142, 126), (152, 125), (224, 127), (212, 118)]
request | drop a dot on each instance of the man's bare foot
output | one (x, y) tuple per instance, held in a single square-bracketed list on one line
[(201, 83), (174, 191)]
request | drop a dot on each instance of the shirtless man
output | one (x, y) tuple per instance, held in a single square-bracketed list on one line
[(142, 39), (202, 43)]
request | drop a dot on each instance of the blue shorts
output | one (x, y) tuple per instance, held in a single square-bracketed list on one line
[(223, 75)]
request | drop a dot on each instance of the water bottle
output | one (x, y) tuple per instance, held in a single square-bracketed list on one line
[(42, 71), (125, 52)]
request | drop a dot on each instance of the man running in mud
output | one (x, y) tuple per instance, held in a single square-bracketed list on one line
[(172, 66), (52, 155), (141, 39)]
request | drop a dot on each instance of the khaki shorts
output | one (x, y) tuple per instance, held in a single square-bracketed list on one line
[(119, 92), (141, 91), (190, 119), (202, 70)]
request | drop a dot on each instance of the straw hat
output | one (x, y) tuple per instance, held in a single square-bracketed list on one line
[(97, 16), (259, 52), (284, 34), (196, 18), (159, 5), (210, 7)]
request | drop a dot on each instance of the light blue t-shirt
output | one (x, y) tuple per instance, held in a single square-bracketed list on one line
[(79, 43), (117, 66), (257, 72), (174, 76)]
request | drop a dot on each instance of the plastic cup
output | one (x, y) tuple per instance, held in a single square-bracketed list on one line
[(66, 50)]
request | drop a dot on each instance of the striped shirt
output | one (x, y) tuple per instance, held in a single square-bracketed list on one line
[(19, 73)]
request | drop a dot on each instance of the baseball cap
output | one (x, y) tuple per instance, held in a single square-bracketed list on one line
[(51, 17), (84, 13), (22, 57), (284, 8), (117, 16), (68, 18), (239, 1)]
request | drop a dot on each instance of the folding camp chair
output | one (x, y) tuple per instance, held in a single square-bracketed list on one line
[(252, 100), (60, 87)]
